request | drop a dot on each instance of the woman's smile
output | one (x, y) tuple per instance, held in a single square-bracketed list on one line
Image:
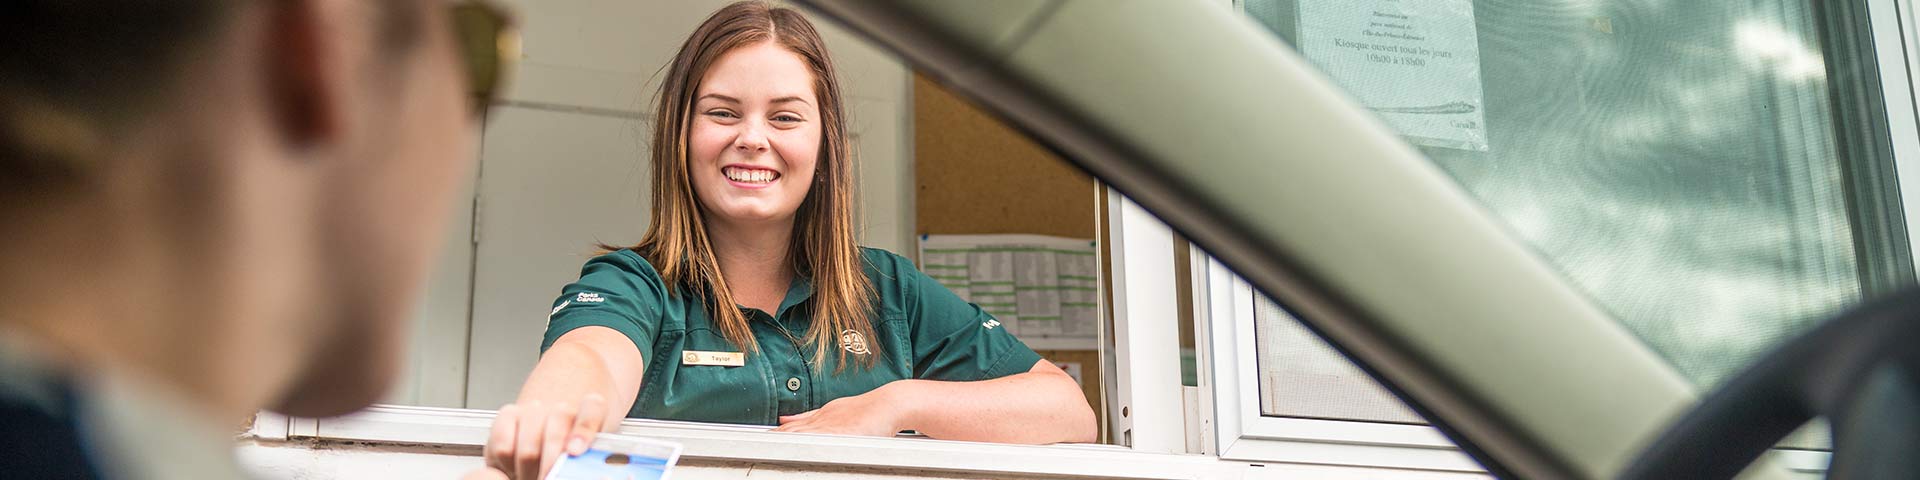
[(750, 177)]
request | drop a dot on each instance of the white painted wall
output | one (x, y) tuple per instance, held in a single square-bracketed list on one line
[(436, 369), (563, 165), (552, 184)]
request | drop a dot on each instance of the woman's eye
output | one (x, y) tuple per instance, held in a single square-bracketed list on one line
[(722, 114), (786, 118)]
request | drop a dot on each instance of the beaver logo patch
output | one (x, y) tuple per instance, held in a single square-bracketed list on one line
[(853, 342)]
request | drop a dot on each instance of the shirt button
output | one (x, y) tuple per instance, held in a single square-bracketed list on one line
[(793, 384)]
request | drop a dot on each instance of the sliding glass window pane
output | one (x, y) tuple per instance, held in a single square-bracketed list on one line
[(1301, 376), (1675, 160)]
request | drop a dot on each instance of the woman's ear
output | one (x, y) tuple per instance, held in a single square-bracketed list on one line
[(304, 73)]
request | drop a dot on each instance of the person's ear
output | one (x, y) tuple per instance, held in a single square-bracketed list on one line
[(304, 72)]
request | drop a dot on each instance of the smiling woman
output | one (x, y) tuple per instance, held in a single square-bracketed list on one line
[(748, 301)]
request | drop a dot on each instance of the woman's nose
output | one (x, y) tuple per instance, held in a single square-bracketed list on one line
[(751, 139)]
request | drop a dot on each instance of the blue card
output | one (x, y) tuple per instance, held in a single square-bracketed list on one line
[(619, 457)]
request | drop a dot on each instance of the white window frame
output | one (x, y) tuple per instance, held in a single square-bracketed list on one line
[(1225, 306), (403, 426), (1150, 414), (1230, 385)]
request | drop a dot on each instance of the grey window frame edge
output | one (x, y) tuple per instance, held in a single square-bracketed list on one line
[(1868, 75), (1894, 23)]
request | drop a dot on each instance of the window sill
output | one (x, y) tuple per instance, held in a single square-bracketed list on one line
[(459, 427)]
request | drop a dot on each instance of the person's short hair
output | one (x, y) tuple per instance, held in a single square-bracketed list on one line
[(76, 73), (76, 70)]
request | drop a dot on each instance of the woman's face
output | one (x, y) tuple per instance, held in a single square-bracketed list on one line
[(755, 136)]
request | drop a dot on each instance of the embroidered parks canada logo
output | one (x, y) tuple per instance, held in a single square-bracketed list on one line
[(854, 342), (556, 311), (589, 297), (990, 323)]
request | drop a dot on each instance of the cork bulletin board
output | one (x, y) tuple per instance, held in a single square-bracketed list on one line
[(976, 175)]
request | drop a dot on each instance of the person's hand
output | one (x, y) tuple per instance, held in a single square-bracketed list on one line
[(527, 439), (878, 413)]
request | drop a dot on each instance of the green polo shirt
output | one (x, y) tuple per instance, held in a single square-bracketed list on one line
[(924, 330)]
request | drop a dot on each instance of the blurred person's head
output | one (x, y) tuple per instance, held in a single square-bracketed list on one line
[(750, 134), (238, 199)]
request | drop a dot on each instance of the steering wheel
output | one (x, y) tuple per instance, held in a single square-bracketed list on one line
[(1858, 371)]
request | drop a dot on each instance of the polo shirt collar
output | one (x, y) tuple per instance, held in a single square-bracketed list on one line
[(799, 291)]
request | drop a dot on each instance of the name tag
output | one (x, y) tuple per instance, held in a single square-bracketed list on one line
[(724, 359)]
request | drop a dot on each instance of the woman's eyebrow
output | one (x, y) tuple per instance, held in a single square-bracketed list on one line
[(736, 101), (791, 99)]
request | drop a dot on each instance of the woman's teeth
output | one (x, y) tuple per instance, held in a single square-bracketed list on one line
[(750, 175)]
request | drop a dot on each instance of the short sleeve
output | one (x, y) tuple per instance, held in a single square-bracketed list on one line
[(618, 290), (955, 340)]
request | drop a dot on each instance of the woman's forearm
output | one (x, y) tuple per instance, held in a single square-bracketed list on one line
[(583, 362), (1041, 406), (579, 388)]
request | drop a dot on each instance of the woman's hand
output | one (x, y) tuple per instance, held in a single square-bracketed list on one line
[(878, 413), (1043, 405), (528, 438)]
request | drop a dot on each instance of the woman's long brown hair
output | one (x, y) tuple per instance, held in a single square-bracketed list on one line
[(822, 248)]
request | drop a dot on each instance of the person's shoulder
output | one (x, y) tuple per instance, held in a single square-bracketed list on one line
[(40, 427), (885, 264), (624, 260), (623, 270), (875, 255), (894, 279)]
